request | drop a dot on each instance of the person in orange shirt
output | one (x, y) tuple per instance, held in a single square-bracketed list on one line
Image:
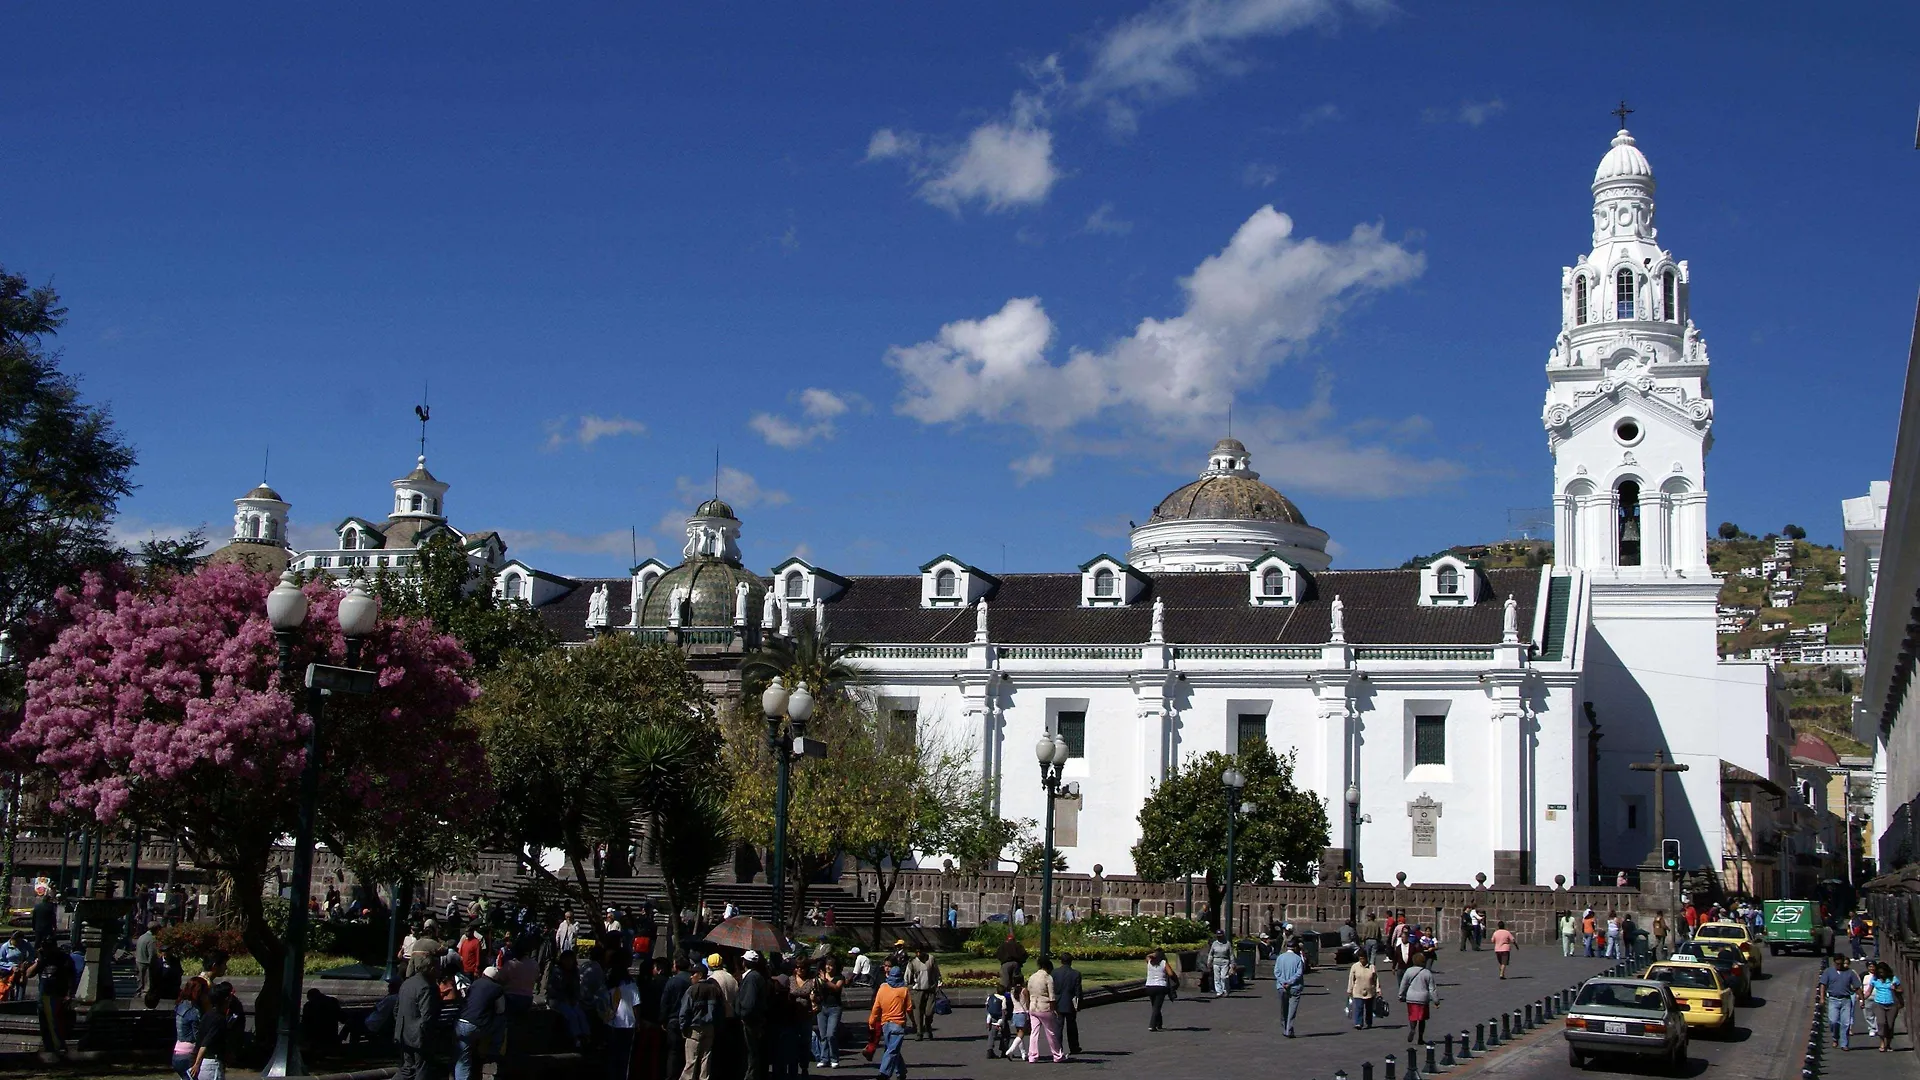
[(891, 1018), (470, 947), (1587, 928)]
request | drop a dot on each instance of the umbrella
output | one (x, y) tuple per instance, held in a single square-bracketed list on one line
[(746, 932)]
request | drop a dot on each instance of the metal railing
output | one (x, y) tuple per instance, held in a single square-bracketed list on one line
[(1246, 652)]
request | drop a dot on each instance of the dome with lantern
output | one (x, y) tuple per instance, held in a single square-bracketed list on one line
[(1224, 520), (708, 580)]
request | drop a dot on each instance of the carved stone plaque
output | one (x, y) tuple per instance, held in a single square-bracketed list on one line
[(1426, 826)]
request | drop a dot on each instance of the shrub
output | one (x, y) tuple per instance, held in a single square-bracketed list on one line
[(1097, 935), (198, 940)]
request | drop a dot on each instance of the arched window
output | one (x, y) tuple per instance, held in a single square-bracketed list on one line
[(1447, 581), (1580, 300), (796, 586), (1629, 523), (273, 529), (1667, 309), (1623, 294), (1273, 582), (253, 527), (945, 583), (433, 506), (1103, 582), (514, 585), (413, 503), (646, 582), (350, 539)]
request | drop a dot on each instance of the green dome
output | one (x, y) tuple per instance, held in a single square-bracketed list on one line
[(714, 508), (710, 584)]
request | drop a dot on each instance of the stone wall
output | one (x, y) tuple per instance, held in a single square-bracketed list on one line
[(1531, 912)]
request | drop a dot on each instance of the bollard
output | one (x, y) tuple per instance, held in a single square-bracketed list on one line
[(1366, 1070), (1431, 1066), (1413, 1064), (1339, 1074), (1446, 1052), (1466, 1045), (1493, 1034), (1517, 1027), (1505, 1034), (1390, 1064), (1480, 1037)]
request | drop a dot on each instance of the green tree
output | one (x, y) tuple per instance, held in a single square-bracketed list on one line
[(444, 586), (556, 726), (1794, 532), (63, 472), (663, 779), (925, 788), (980, 839), (1183, 825), (1729, 531)]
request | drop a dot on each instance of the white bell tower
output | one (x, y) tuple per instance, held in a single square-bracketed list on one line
[(1629, 418), (1629, 414)]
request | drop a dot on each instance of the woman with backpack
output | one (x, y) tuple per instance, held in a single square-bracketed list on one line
[(1163, 981)]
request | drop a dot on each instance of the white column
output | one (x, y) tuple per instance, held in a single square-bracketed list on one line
[(1507, 787), (1566, 529), (1655, 527)]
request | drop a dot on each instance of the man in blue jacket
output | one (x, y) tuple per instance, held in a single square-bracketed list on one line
[(1289, 980)]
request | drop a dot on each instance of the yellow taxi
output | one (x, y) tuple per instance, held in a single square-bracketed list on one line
[(1705, 1001), (1738, 933)]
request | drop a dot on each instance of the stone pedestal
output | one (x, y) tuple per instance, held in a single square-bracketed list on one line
[(1512, 868), (99, 917)]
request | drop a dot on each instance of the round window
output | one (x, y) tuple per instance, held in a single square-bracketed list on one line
[(1627, 431)]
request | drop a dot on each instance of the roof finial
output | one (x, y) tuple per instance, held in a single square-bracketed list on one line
[(1623, 112), (423, 413), (716, 470), (1229, 417), (266, 459)]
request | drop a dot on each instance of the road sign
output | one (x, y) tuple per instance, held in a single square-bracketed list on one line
[(341, 680)]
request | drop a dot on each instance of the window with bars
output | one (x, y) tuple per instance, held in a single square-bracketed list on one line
[(1072, 726), (1580, 301), (1623, 294), (1668, 310), (1429, 740), (1250, 728), (902, 729)]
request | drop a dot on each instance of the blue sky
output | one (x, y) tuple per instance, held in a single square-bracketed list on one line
[(940, 277)]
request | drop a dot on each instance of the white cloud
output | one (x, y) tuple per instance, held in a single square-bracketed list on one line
[(1320, 114), (1003, 164), (615, 542), (737, 487), (1259, 174), (589, 429), (1248, 307), (1163, 51), (1102, 220), (128, 533), (819, 407), (1470, 113), (1032, 467)]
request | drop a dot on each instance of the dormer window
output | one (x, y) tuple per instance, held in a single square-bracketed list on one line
[(1272, 581), (414, 503), (1107, 582), (1449, 582), (796, 587), (946, 584), (1103, 584), (516, 587), (350, 539)]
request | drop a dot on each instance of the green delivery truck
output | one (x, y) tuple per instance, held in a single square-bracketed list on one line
[(1793, 925)]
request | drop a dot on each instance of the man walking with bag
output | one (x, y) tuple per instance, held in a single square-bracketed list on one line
[(1066, 990), (923, 978)]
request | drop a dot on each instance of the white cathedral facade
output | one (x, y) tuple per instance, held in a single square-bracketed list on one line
[(1487, 717)]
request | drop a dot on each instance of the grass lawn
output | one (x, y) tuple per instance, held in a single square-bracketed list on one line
[(1092, 972)]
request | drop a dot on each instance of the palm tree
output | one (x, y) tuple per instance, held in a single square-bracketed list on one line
[(662, 776), (803, 658)]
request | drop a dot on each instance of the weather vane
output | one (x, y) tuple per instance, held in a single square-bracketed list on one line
[(1623, 112)]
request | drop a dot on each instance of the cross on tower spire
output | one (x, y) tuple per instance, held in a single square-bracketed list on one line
[(1623, 112)]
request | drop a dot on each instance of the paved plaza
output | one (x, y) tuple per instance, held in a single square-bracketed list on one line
[(1240, 1034)]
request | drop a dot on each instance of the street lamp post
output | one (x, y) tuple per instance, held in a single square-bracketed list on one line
[(787, 713), (1052, 752), (1233, 781), (287, 612), (1355, 819)]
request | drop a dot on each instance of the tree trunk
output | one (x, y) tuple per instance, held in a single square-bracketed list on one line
[(885, 883), (586, 890), (266, 947), (808, 865), (1216, 895)]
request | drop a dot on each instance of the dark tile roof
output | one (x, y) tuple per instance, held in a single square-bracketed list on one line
[(567, 615), (1381, 608)]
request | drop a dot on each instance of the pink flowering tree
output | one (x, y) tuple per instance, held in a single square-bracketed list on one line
[(163, 709)]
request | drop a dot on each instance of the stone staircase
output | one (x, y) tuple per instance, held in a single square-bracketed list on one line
[(851, 912)]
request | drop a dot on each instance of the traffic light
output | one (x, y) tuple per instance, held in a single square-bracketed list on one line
[(1670, 854)]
